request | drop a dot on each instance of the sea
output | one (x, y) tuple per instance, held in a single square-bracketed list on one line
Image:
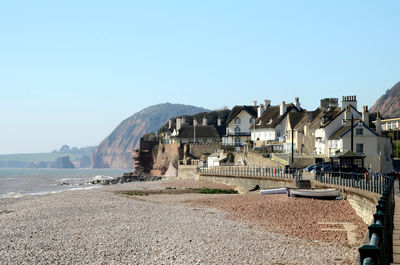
[(22, 182)]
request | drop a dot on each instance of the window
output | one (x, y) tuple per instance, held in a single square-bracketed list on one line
[(237, 130), (359, 131), (360, 148), (251, 120), (237, 121)]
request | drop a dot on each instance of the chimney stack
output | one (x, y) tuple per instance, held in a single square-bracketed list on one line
[(297, 103), (178, 124), (255, 103), (378, 123), (365, 115), (260, 110), (204, 121), (183, 120), (219, 122), (349, 100), (266, 103), (347, 114), (282, 109), (169, 124)]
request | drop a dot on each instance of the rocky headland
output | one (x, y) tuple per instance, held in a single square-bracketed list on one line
[(388, 105)]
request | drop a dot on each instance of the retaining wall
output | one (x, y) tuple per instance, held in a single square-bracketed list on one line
[(363, 202), (187, 172), (245, 183)]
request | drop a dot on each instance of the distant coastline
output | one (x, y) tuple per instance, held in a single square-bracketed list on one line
[(37, 181)]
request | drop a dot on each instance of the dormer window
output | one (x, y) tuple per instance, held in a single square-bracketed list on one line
[(270, 121), (237, 121)]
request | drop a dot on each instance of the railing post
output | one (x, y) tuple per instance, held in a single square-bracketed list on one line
[(369, 251)]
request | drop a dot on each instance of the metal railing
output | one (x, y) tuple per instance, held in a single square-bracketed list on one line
[(238, 134), (375, 183), (256, 171), (380, 248)]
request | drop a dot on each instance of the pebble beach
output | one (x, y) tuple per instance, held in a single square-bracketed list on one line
[(102, 226)]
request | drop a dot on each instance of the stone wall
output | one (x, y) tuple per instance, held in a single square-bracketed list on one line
[(167, 154), (256, 159), (363, 202), (198, 149), (245, 183), (187, 172)]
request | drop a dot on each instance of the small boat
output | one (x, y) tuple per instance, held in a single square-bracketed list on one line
[(316, 193), (273, 191)]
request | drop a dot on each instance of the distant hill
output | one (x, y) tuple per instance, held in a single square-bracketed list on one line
[(115, 151), (83, 151), (62, 158), (389, 104)]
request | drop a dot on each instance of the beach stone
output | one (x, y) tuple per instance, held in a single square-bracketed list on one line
[(100, 226)]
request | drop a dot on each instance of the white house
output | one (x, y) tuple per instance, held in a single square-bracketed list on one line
[(215, 159), (376, 147), (332, 120), (390, 124), (240, 119), (270, 126)]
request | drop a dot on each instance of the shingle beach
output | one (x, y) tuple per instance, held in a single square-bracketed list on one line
[(101, 226)]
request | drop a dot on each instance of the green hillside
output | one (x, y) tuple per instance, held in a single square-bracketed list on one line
[(36, 157)]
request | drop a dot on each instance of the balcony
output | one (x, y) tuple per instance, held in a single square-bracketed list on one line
[(238, 134)]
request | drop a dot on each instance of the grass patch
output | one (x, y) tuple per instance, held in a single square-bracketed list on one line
[(215, 191)]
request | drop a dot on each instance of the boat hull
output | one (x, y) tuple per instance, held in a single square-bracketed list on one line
[(273, 191), (316, 193)]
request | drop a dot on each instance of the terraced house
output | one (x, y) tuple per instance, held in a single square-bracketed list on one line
[(270, 126), (238, 124)]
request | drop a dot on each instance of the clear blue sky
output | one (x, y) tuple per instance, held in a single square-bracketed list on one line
[(71, 71)]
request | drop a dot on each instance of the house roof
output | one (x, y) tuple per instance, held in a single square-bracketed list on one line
[(332, 114), (297, 119), (347, 153), (271, 117), (316, 115), (338, 134), (221, 130), (347, 128), (208, 131), (237, 109)]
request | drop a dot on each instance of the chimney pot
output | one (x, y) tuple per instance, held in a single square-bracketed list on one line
[(282, 109), (204, 121), (378, 123)]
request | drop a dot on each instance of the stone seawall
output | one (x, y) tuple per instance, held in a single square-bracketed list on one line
[(245, 183), (187, 172), (199, 149), (363, 202)]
